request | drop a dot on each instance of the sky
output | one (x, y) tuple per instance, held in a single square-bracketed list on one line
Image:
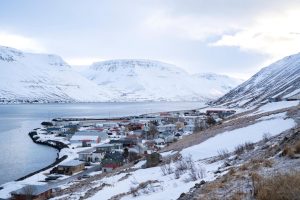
[(231, 37)]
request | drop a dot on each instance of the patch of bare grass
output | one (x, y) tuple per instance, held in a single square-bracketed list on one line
[(278, 187)]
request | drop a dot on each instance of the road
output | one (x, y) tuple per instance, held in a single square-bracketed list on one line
[(57, 183)]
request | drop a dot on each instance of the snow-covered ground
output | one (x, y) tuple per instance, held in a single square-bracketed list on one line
[(169, 187), (231, 139), (276, 106)]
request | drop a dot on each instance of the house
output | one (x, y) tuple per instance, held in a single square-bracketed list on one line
[(167, 127), (88, 137), (167, 136), (138, 133), (34, 192), (111, 161), (189, 128), (86, 156), (70, 167), (54, 130), (109, 147), (159, 141), (126, 142)]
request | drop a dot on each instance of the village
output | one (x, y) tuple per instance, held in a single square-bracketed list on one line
[(106, 144)]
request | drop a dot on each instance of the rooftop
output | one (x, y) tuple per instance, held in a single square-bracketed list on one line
[(71, 163), (35, 189)]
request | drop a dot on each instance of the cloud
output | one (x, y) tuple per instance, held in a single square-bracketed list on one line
[(275, 35), (20, 42), (187, 26)]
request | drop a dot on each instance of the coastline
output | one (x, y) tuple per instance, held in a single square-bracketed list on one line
[(51, 143)]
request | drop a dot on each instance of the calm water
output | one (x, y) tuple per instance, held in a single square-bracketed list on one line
[(20, 156)]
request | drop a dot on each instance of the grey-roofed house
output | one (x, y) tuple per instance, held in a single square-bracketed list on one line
[(34, 192)]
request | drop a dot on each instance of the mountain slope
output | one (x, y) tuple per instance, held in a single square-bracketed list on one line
[(27, 77), (153, 80), (280, 79)]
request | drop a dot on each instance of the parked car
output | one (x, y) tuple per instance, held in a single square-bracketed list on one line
[(86, 176)]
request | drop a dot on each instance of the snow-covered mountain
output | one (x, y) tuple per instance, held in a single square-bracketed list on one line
[(280, 79), (27, 77), (137, 80)]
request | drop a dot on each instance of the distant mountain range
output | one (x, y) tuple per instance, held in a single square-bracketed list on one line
[(28, 77), (279, 80), (139, 80)]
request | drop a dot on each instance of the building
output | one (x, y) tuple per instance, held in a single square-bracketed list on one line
[(33, 192), (70, 167), (109, 147), (54, 130), (126, 142), (88, 137), (111, 161), (167, 127), (189, 128), (220, 113)]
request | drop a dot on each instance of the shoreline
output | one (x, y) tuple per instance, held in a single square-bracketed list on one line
[(51, 143)]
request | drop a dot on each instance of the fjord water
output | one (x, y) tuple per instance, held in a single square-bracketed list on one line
[(20, 156)]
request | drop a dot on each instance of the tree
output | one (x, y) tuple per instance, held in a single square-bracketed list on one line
[(210, 120), (152, 131)]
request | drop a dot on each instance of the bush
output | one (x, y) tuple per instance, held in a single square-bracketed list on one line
[(239, 150), (288, 151), (277, 187), (166, 169), (249, 146), (223, 153), (266, 137)]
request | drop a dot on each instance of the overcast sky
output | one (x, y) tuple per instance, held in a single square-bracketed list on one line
[(233, 37)]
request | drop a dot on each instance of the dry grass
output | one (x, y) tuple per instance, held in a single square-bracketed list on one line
[(297, 147), (278, 187), (239, 195), (257, 163), (213, 186)]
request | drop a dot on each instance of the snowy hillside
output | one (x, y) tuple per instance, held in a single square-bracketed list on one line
[(281, 79), (152, 80), (26, 77)]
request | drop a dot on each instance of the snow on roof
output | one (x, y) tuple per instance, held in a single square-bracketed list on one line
[(84, 138), (108, 145), (36, 189), (71, 163)]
